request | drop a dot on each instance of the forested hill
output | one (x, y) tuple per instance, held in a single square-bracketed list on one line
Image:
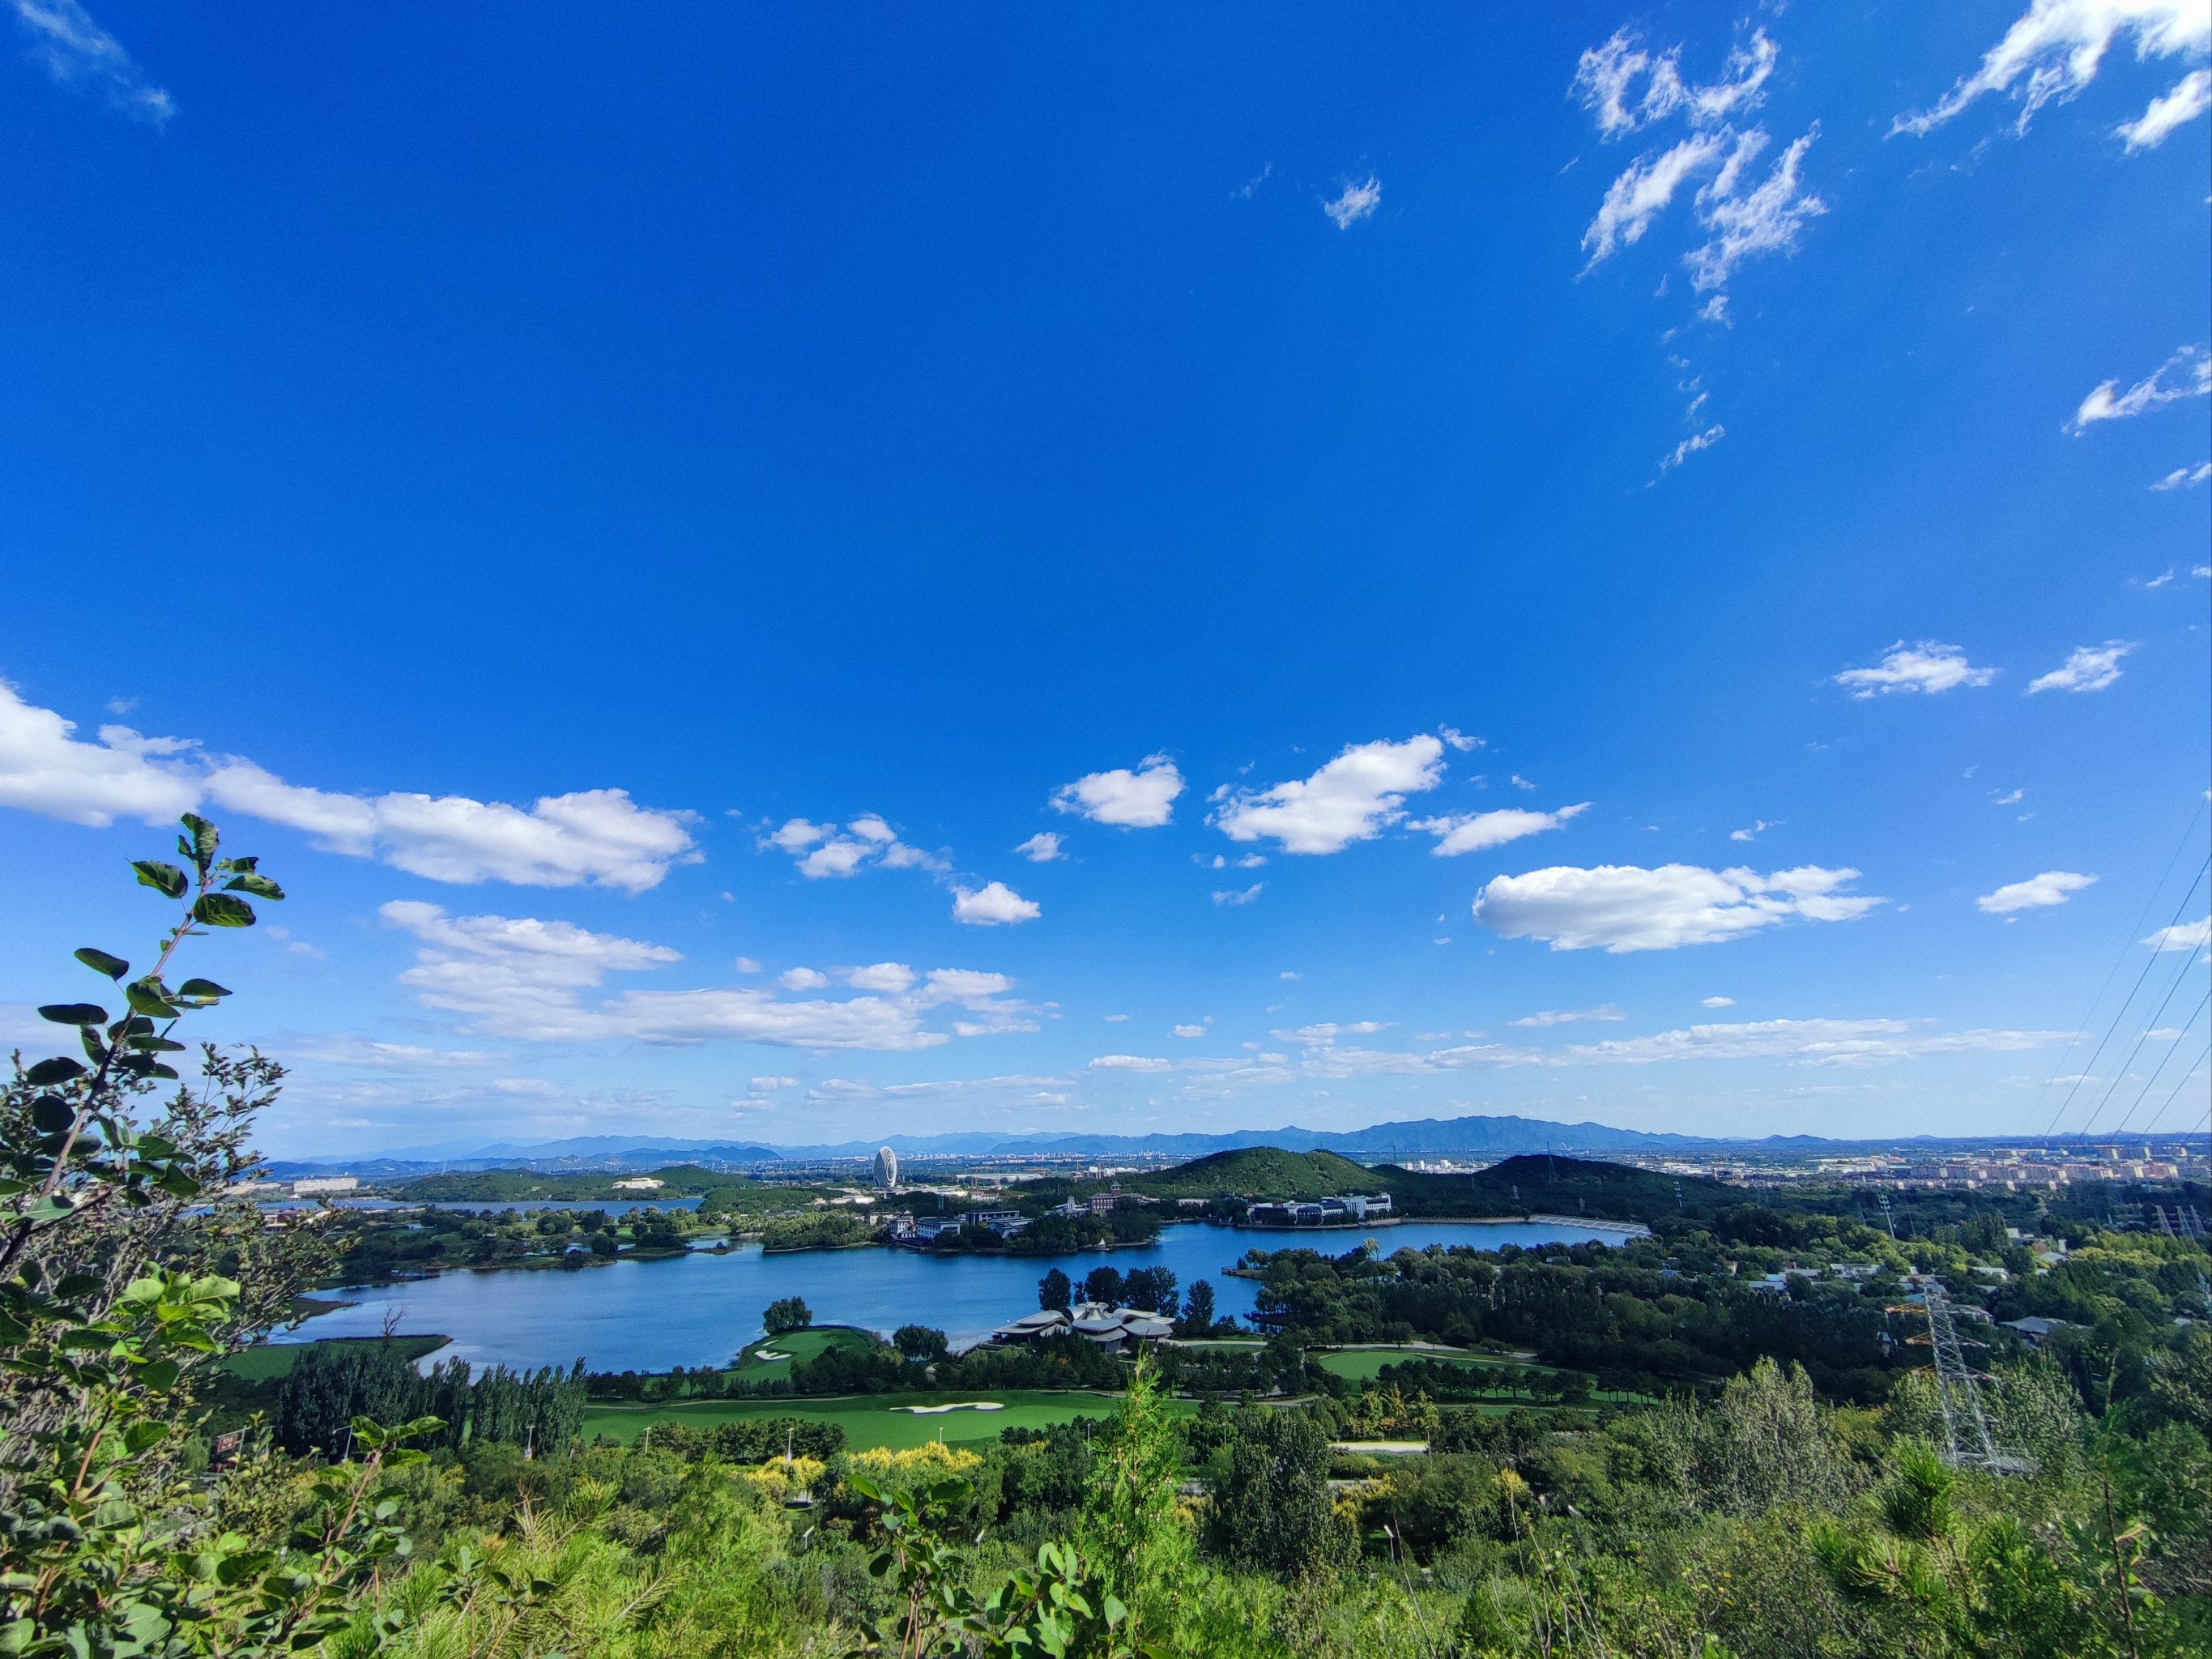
[(506, 1186), (1518, 1186)]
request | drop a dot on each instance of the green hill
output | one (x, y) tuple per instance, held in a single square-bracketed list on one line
[(1537, 1183), (1258, 1172)]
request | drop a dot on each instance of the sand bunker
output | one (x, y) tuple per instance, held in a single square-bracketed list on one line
[(956, 1406)]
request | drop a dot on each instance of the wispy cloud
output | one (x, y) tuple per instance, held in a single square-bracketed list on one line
[(1475, 832), (1689, 447), (1357, 202), (2055, 49), (1550, 1016), (2182, 936), (2108, 402), (77, 52), (1238, 895), (2188, 101), (2186, 478), (1043, 848)]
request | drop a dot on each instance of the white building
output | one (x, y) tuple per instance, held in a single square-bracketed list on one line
[(639, 1184), (886, 1170), (316, 1184)]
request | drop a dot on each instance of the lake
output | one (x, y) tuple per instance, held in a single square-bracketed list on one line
[(699, 1310)]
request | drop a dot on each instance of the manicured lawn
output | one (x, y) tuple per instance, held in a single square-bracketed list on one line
[(263, 1363), (871, 1421), (1364, 1365), (803, 1345)]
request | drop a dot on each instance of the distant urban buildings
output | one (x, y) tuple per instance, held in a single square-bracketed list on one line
[(320, 1184), (886, 1170)]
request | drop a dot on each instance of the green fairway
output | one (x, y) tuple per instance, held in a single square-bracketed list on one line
[(808, 1344), (269, 1361), (872, 1420), (1364, 1365)]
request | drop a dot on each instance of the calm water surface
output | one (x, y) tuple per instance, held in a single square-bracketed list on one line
[(700, 1309)]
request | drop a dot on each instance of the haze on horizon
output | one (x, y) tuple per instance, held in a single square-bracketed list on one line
[(801, 577)]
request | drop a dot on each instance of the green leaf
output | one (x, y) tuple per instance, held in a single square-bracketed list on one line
[(202, 989), (221, 910), (101, 962), (150, 997), (73, 1286), (74, 1014), (161, 1376), (205, 839), (162, 878), (260, 886), (51, 1114), (60, 1069), (153, 1045)]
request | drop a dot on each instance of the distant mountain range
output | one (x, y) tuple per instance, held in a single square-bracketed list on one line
[(1383, 1143)]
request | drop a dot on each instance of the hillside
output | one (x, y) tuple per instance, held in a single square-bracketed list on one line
[(1536, 1183), (511, 1186), (1257, 1172)]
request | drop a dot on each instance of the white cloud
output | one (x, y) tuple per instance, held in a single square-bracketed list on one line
[(1605, 78), (1189, 1032), (1643, 191), (1115, 1020), (1458, 740), (1474, 832), (1239, 896), (2087, 668), (2189, 99), (747, 965), (879, 977), (596, 835), (1766, 220), (1689, 447), (1139, 799), (2182, 936), (761, 1084), (867, 842), (2186, 478), (1718, 1002), (1289, 973), (2037, 892), (1800, 1041), (1550, 1016), (2056, 47), (1043, 848), (1624, 908), (992, 905), (77, 52), (525, 979), (1351, 798), (1130, 1063), (1928, 667), (2109, 403), (1357, 202), (44, 770), (1751, 833)]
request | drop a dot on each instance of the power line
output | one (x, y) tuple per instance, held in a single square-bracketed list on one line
[(2113, 1087), (2082, 1076), (2151, 1082), (2127, 944), (2174, 1093)]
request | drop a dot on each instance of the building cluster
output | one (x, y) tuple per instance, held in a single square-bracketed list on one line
[(905, 1228), (1117, 1330), (1992, 1169), (1319, 1213)]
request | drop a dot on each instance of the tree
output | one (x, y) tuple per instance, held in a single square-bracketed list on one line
[(1198, 1318), (1273, 1508), (920, 1344), (1055, 1293), (1153, 1289), (1104, 1285), (786, 1314)]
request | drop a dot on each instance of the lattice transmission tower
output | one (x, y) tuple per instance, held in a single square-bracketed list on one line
[(1967, 1442)]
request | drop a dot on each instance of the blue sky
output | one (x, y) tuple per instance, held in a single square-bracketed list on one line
[(862, 569)]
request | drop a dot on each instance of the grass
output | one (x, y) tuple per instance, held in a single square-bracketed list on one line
[(869, 1421), (267, 1362), (809, 1344), (1365, 1365)]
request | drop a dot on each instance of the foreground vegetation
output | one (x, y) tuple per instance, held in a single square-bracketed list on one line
[(1782, 1493)]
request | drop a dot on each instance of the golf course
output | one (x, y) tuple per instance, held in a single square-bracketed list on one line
[(894, 1420)]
